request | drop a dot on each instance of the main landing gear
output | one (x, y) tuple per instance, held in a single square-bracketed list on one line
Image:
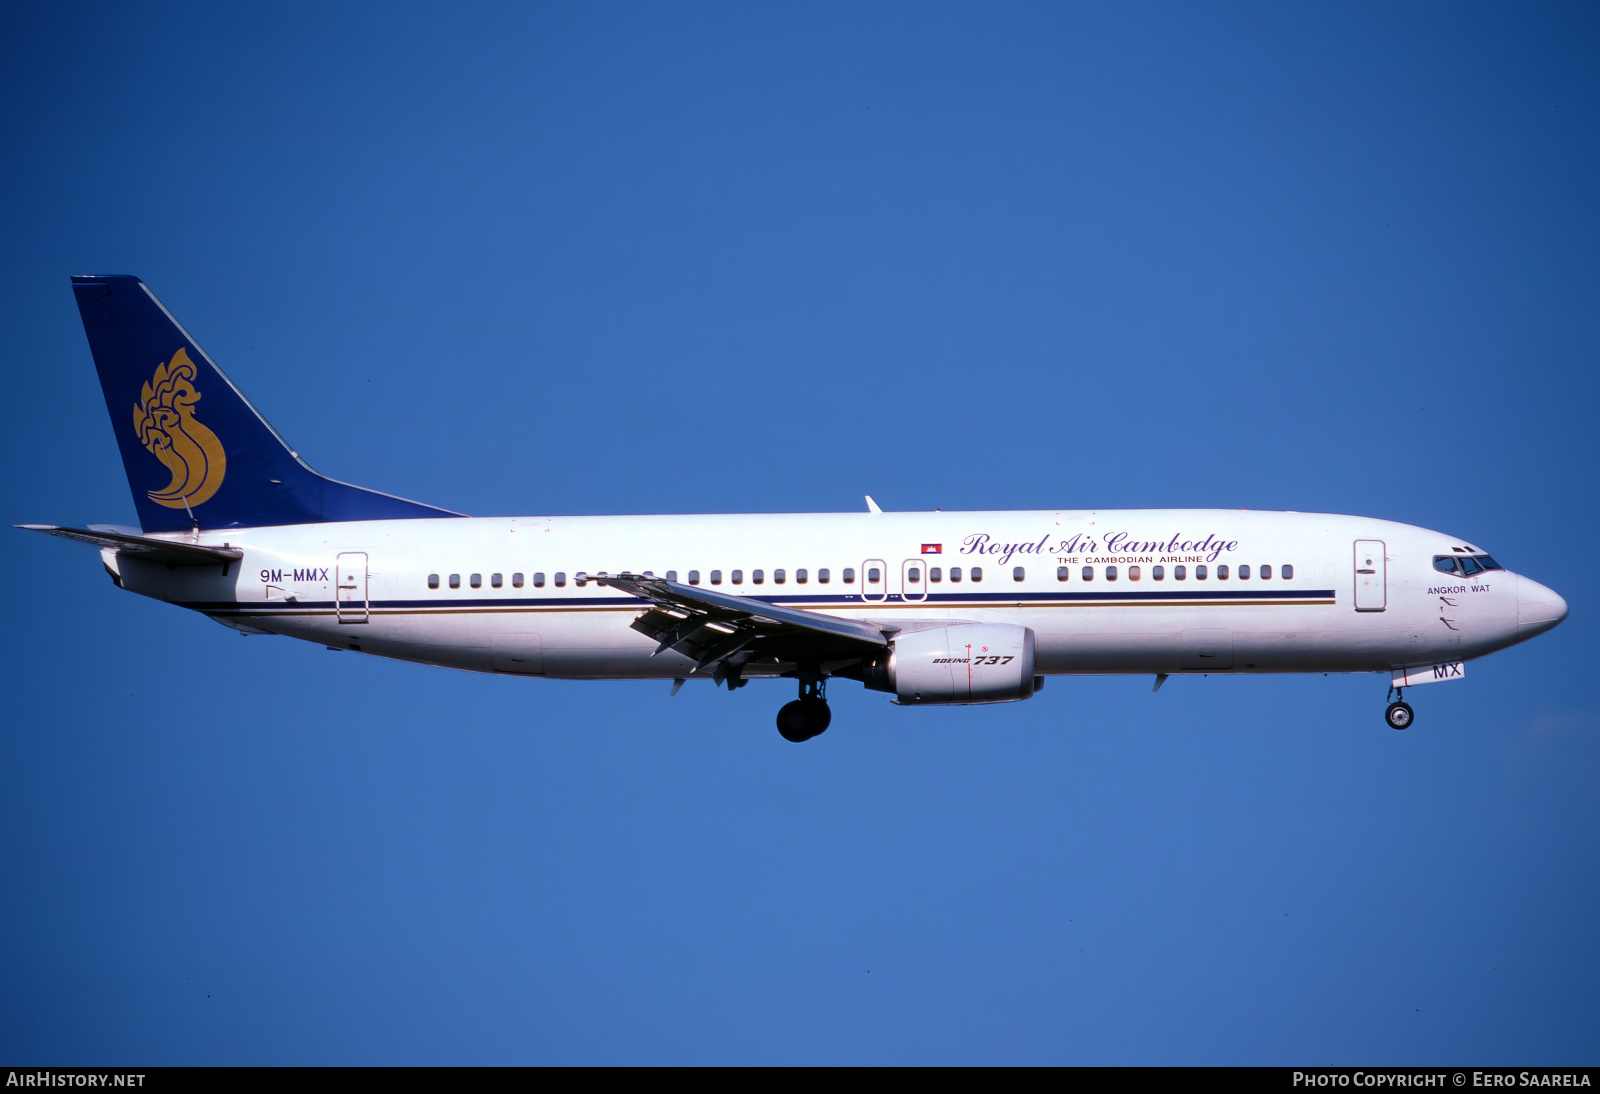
[(807, 716), (1399, 714)]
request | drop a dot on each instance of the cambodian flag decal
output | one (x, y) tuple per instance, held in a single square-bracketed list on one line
[(933, 548)]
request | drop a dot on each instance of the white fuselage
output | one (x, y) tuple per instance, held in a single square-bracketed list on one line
[(495, 603)]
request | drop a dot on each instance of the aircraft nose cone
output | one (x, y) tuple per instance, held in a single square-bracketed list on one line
[(1538, 608)]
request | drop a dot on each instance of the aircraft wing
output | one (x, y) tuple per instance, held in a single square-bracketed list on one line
[(726, 631), (156, 550)]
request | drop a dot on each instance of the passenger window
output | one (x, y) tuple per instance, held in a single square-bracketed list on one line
[(736, 577), (476, 580), (716, 577), (849, 575), (1266, 573), (1287, 571), (799, 577), (1063, 572), (1222, 572), (778, 577), (516, 581), (1133, 573), (672, 575), (874, 576), (955, 573), (496, 580), (580, 579), (1018, 573), (1088, 573), (935, 574), (561, 579), (1158, 573), (433, 581), (538, 581), (1199, 573), (455, 581), (913, 576), (1244, 573), (758, 576), (694, 577), (1179, 573), (977, 573), (1111, 573), (822, 576)]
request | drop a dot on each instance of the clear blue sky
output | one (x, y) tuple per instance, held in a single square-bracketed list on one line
[(654, 258)]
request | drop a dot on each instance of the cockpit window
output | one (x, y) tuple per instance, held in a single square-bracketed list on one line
[(1465, 565)]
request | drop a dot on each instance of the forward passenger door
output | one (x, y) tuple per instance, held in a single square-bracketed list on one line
[(1372, 593)]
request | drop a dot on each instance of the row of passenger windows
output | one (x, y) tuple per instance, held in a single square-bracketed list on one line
[(735, 577), (1179, 573), (874, 576), (779, 577), (495, 580)]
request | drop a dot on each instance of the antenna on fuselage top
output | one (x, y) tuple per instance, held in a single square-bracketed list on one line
[(192, 521)]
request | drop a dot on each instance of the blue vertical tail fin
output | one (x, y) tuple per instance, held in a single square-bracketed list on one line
[(196, 452)]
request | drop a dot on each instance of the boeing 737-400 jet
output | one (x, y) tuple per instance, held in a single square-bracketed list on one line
[(932, 608)]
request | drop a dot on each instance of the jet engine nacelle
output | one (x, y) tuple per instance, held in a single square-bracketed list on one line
[(967, 663)]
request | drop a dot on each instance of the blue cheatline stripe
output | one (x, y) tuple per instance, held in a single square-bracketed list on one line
[(1261, 596)]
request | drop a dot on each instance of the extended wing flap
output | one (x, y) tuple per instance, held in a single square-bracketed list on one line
[(156, 550), (714, 605), (719, 629), (690, 635)]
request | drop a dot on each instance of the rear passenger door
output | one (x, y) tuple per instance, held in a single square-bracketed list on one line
[(350, 590)]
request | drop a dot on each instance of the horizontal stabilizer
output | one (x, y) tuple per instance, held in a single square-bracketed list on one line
[(156, 550)]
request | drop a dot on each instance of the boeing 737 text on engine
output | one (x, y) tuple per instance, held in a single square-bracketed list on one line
[(933, 608)]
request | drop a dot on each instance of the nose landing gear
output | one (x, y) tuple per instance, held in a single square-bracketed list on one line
[(1399, 714), (807, 716)]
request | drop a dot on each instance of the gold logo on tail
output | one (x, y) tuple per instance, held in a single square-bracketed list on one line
[(165, 422)]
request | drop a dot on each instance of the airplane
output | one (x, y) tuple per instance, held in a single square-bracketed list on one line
[(935, 609)]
